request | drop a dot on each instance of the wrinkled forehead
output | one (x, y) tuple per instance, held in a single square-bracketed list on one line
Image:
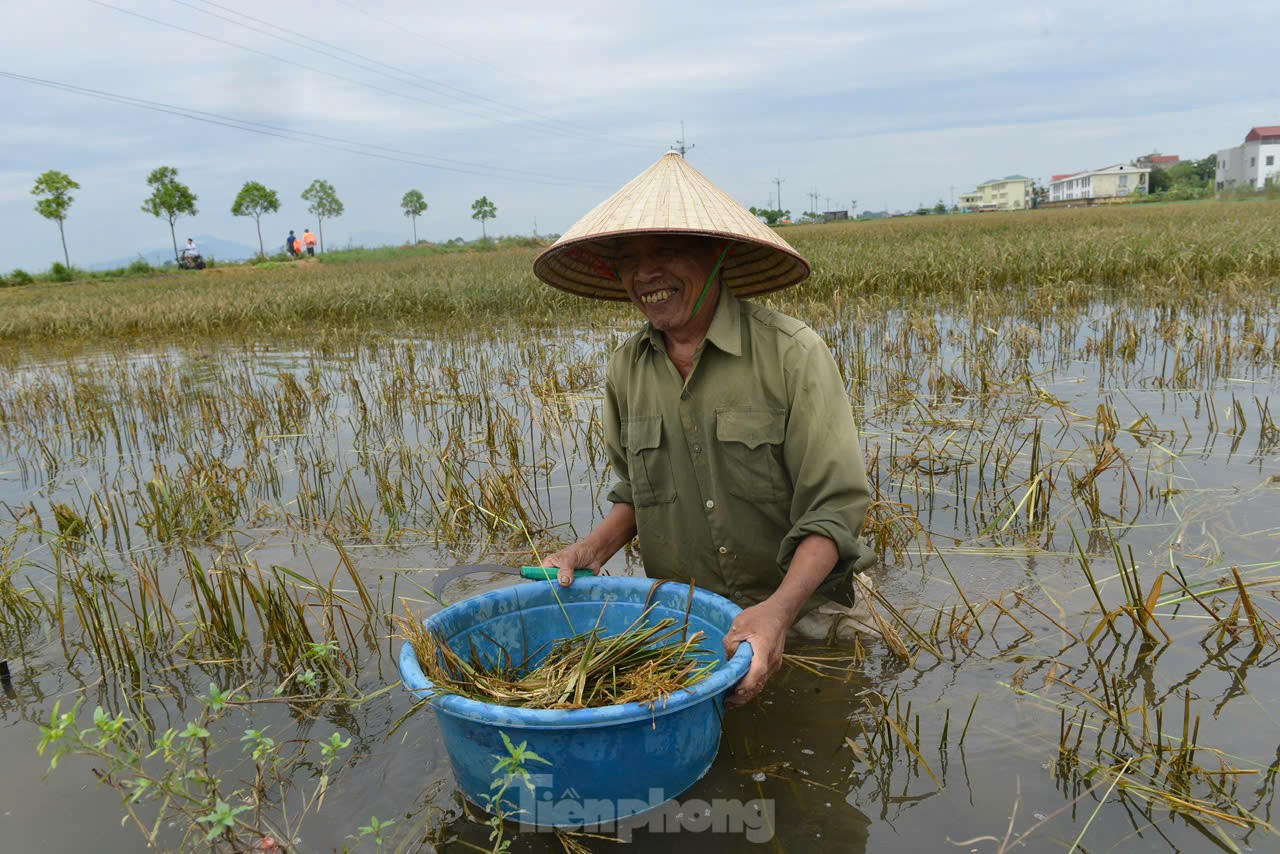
[(613, 248)]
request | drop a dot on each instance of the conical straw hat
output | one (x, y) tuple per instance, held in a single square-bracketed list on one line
[(670, 197)]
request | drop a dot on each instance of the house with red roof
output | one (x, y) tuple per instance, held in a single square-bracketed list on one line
[(1156, 160), (1252, 164)]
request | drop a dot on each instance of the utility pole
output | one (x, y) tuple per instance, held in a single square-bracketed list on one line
[(680, 145), (535, 227), (953, 195), (853, 206), (828, 203), (778, 183)]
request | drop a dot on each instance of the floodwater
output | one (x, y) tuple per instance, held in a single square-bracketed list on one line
[(1024, 445)]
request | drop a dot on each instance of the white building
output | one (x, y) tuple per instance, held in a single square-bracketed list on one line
[(1010, 193), (1113, 182), (1253, 164)]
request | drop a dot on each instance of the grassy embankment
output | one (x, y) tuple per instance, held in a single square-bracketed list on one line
[(1168, 252)]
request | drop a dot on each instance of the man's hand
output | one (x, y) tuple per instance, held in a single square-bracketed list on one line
[(764, 626), (593, 551), (580, 555)]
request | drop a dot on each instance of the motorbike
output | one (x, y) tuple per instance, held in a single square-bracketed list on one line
[(190, 262)]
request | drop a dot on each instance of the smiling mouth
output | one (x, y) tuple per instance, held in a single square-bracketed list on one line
[(658, 296)]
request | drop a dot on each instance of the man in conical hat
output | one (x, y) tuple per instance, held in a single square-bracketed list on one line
[(727, 423)]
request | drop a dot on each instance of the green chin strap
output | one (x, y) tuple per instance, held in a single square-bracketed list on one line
[(715, 271)]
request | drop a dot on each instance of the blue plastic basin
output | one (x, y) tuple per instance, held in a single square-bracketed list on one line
[(605, 763)]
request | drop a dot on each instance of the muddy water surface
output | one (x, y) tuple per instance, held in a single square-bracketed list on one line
[(1134, 442)]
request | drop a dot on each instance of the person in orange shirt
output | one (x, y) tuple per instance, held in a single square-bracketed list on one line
[(309, 240)]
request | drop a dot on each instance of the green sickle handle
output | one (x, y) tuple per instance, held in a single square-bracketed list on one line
[(546, 573)]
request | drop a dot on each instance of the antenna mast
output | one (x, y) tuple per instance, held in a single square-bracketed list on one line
[(680, 145)]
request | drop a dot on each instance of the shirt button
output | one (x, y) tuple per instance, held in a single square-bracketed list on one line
[(710, 504), (697, 449), (723, 550)]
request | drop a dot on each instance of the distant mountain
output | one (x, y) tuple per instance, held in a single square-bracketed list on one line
[(210, 247)]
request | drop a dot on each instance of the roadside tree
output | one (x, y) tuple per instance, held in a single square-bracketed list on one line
[(483, 209), (254, 200), (169, 200), (322, 203), (771, 216), (414, 205), (54, 189)]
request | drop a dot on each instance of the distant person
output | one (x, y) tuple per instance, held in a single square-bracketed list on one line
[(190, 258), (309, 240), (291, 244)]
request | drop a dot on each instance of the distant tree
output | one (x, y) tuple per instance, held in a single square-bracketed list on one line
[(55, 189), (1159, 181), (771, 216), (483, 209), (1206, 168), (169, 200), (254, 200), (1187, 179), (940, 207), (1177, 175), (414, 206), (1194, 174), (322, 203)]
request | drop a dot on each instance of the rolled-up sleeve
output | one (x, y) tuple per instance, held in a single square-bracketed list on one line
[(823, 455), (613, 443)]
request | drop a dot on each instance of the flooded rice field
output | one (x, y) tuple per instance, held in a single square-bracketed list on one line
[(1077, 508)]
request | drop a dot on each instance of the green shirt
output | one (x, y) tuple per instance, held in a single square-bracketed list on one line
[(729, 471)]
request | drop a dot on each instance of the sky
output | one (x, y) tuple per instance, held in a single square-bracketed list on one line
[(546, 108)]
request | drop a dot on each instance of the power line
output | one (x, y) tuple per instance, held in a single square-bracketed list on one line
[(309, 43), (282, 59), (309, 138), (352, 80), (507, 71)]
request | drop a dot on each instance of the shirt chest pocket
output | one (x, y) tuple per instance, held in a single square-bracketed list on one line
[(649, 462), (751, 441)]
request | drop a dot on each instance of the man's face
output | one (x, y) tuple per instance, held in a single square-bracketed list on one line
[(664, 274)]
